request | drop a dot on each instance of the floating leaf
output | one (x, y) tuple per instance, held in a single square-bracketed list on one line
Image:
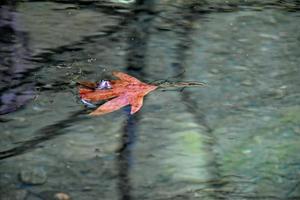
[(124, 91)]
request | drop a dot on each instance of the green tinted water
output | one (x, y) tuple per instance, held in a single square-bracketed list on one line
[(238, 138)]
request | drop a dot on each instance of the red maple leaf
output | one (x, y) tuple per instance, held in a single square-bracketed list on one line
[(124, 91)]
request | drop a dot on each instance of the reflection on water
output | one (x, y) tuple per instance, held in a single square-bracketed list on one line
[(16, 90), (238, 138)]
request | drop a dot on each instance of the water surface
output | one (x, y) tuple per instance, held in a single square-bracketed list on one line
[(237, 138)]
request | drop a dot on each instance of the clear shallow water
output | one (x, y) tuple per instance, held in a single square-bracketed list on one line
[(238, 138)]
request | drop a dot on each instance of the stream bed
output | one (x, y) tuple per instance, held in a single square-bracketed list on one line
[(237, 138)]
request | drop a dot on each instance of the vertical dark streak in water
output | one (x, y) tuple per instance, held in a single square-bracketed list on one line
[(139, 36), (44, 134), (184, 33), (15, 88), (124, 156), (138, 26)]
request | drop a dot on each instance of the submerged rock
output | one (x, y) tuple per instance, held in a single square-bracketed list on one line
[(35, 176)]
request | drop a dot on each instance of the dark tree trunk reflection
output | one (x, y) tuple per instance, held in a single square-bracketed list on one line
[(15, 88), (137, 40)]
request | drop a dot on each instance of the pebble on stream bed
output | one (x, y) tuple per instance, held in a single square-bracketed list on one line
[(61, 196)]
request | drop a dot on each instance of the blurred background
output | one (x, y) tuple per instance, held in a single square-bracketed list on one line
[(236, 139)]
